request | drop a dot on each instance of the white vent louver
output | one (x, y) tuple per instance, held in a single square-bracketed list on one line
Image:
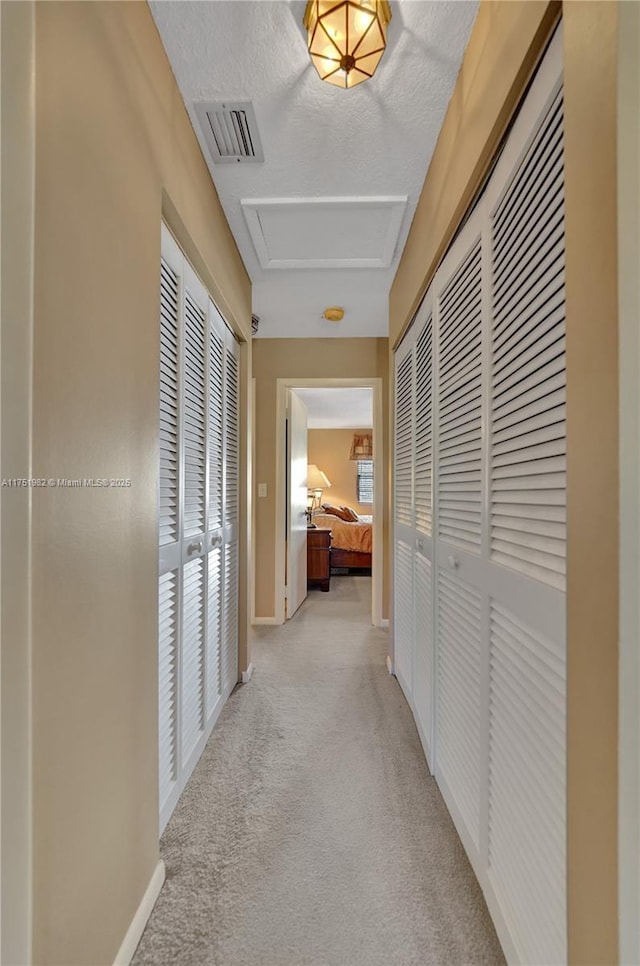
[(231, 130)]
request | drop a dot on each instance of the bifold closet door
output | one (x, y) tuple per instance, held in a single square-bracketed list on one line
[(404, 530), (459, 501), (423, 653), (526, 528), (231, 513), (198, 570), (413, 539), (480, 438)]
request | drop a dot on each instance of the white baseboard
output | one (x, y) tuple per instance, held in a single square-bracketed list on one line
[(139, 921), (248, 674), (389, 665), (271, 621)]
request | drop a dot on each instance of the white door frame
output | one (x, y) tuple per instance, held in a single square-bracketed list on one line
[(378, 475), (297, 504)]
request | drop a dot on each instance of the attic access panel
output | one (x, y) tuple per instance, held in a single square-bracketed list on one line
[(355, 232)]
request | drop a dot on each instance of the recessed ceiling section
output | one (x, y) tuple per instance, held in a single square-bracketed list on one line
[(293, 233)]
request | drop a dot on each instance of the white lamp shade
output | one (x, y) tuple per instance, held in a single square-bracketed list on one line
[(316, 480)]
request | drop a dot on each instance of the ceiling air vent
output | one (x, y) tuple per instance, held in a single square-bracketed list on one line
[(231, 130)]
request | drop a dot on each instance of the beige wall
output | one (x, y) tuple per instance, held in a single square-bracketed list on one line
[(18, 159), (329, 449), (304, 359), (629, 356), (114, 150), (506, 42), (590, 69)]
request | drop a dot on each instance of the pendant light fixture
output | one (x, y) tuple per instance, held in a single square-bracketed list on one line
[(346, 38)]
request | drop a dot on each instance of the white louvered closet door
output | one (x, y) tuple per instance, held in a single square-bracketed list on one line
[(413, 536), (194, 549), (403, 620), (169, 528), (231, 512), (493, 584), (423, 669), (459, 480), (215, 510), (198, 577), (526, 851)]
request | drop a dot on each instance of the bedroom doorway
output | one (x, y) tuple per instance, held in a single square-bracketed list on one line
[(341, 413)]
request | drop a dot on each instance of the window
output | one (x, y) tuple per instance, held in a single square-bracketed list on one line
[(365, 481)]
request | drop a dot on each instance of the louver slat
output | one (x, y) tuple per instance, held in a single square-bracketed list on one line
[(168, 496), (423, 430), (167, 676), (404, 442), (527, 783), (232, 465), (193, 644), (460, 405), (458, 686), (528, 464), (194, 418)]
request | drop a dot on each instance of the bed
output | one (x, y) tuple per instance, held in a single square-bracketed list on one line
[(351, 541)]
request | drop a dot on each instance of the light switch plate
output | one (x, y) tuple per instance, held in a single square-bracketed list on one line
[(262, 489)]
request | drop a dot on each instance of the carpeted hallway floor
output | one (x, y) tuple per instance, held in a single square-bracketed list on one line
[(311, 832)]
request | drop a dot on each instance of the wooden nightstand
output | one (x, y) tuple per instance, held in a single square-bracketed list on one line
[(319, 557)]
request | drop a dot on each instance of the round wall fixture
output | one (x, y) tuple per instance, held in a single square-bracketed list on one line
[(333, 314)]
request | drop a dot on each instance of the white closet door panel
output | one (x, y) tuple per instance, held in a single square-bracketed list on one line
[(168, 629), (193, 654), (528, 464), (459, 474), (491, 434), (214, 628), (403, 614), (404, 442), (169, 411), (230, 617), (194, 417), (198, 515), (232, 434), (423, 643), (527, 806), (458, 696), (216, 418)]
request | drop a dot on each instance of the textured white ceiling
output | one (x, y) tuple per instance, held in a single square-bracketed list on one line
[(318, 140), (338, 408)]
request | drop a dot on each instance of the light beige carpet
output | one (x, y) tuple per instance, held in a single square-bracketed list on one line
[(311, 832)]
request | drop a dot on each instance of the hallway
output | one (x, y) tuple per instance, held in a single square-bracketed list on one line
[(310, 831)]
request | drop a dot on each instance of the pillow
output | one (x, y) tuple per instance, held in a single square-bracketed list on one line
[(336, 511), (352, 515)]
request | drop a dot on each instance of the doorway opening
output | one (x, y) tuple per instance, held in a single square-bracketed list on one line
[(357, 483)]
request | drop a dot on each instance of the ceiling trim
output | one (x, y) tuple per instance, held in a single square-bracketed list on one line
[(393, 205)]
